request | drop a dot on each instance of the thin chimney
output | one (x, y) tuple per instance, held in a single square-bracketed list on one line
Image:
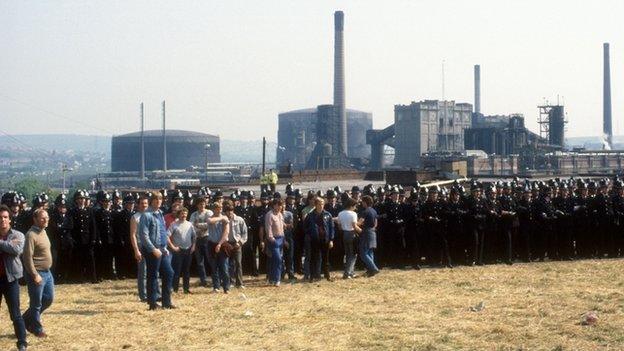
[(142, 174), (164, 138), (339, 78), (606, 99), (477, 89)]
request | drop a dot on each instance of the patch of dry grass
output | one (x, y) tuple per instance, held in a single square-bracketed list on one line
[(527, 307)]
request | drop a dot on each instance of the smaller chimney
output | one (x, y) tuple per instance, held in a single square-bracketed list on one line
[(164, 138), (142, 174), (606, 99), (477, 89)]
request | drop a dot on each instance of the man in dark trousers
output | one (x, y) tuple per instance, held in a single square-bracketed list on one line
[(11, 270), (80, 237), (103, 223), (319, 236), (432, 212)]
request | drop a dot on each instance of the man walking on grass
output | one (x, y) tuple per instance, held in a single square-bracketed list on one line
[(37, 258)]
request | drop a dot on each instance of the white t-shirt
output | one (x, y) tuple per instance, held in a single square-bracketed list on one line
[(346, 219)]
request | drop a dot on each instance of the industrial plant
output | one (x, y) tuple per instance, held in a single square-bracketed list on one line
[(452, 138)]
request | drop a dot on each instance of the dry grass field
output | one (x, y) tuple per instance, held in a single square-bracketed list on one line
[(527, 307)]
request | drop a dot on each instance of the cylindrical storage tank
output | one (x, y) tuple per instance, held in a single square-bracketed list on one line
[(184, 149)]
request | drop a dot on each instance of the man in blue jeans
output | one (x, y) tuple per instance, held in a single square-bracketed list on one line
[(153, 242), (37, 258), (368, 238), (11, 247)]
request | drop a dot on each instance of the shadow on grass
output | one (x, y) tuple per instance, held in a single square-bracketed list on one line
[(74, 313)]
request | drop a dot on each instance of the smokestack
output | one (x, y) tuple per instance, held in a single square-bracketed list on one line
[(477, 89), (142, 174), (606, 99), (339, 78), (164, 137)]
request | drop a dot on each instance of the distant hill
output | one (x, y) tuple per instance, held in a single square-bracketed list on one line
[(231, 150)]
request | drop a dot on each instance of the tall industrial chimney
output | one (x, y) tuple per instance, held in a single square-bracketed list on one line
[(477, 89), (606, 100), (142, 174), (164, 137), (339, 78)]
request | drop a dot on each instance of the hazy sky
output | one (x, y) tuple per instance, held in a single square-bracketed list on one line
[(229, 67)]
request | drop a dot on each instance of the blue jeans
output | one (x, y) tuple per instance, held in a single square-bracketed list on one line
[(41, 297), (160, 265), (348, 241), (10, 291), (289, 255), (275, 266), (181, 262), (142, 279), (220, 268), (367, 256), (201, 257)]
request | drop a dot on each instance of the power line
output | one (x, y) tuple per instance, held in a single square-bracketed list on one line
[(52, 113), (24, 145)]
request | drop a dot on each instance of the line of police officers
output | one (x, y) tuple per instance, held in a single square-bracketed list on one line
[(560, 219)]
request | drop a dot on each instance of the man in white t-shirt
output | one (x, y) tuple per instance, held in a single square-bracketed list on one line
[(347, 219)]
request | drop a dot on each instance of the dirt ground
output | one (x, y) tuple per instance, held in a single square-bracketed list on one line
[(535, 306)]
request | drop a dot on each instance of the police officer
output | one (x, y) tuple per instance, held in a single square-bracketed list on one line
[(104, 236), (508, 222), (454, 216), (81, 238), (123, 251), (524, 211), (432, 212), (413, 229), (55, 234), (477, 215)]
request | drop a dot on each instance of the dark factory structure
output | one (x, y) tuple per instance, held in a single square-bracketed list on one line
[(184, 149), (297, 134)]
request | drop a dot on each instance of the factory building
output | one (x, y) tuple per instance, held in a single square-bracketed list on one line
[(499, 134), (429, 126), (183, 150), (297, 134)]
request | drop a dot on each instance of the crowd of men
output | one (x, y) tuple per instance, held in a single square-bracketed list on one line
[(102, 236)]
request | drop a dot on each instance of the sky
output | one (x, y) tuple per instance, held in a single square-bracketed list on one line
[(229, 67)]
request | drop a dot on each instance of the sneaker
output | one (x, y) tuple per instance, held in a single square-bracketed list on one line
[(171, 307), (242, 287), (277, 284), (226, 291), (216, 291)]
